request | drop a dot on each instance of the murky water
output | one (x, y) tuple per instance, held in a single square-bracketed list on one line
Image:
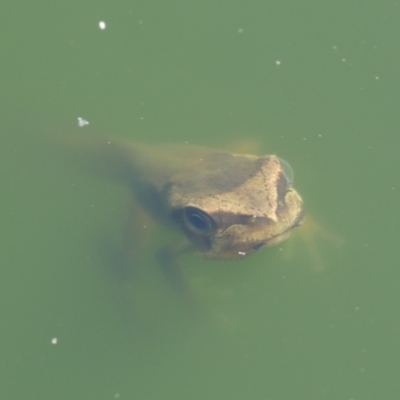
[(314, 318)]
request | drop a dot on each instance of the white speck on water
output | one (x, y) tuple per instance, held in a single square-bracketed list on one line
[(278, 63), (54, 340), (82, 122), (102, 25), (240, 30), (241, 253)]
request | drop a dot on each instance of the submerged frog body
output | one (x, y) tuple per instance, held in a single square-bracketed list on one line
[(227, 205)]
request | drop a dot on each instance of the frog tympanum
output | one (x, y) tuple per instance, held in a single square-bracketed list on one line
[(227, 205)]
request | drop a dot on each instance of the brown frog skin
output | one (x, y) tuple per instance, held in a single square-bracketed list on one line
[(227, 205)]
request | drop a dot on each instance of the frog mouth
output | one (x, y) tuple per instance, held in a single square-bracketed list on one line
[(239, 250), (280, 237)]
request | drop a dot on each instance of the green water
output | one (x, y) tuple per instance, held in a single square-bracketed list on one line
[(316, 83)]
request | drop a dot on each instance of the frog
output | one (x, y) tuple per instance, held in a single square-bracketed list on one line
[(225, 205)]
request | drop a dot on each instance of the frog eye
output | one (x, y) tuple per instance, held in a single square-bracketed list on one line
[(198, 221)]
